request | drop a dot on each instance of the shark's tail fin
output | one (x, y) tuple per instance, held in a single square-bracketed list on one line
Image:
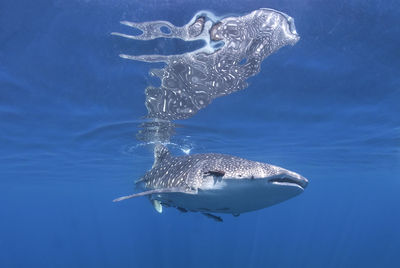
[(161, 152)]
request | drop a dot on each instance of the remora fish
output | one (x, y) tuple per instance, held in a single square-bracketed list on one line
[(215, 183)]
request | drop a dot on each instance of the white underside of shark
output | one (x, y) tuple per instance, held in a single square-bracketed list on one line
[(232, 196)]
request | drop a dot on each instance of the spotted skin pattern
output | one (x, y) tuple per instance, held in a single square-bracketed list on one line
[(192, 171)]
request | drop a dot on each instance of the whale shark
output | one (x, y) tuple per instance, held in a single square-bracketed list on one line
[(215, 183)]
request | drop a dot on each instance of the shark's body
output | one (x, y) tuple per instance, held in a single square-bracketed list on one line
[(216, 183)]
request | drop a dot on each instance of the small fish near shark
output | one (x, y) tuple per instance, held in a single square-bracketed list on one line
[(215, 183)]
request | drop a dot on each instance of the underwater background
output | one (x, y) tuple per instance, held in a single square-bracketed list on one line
[(70, 108)]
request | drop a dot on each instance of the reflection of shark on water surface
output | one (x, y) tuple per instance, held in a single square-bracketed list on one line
[(215, 183), (234, 50)]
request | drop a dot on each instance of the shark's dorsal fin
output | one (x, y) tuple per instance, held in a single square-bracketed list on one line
[(157, 191), (161, 152)]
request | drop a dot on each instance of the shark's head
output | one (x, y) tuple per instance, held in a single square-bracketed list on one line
[(242, 169), (284, 178), (255, 185)]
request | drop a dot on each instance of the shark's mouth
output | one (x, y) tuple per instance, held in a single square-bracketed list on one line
[(287, 181)]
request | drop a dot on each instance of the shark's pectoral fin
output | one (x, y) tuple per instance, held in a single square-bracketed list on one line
[(183, 210), (212, 216), (157, 191)]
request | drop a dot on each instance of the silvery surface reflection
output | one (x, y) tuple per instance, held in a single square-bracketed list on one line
[(234, 50)]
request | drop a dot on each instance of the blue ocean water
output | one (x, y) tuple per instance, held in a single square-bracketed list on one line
[(70, 110)]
